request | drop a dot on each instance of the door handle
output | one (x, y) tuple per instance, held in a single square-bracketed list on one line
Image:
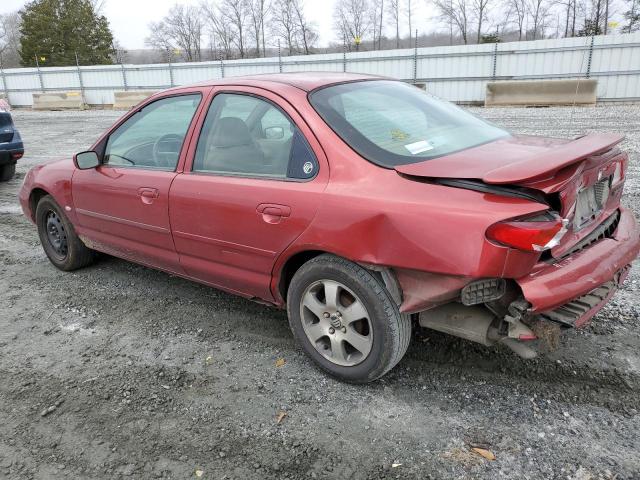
[(148, 194), (273, 212)]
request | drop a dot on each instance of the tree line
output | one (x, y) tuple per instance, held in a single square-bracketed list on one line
[(63, 32)]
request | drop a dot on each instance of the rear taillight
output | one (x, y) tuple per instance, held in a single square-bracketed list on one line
[(529, 235), (618, 174), (16, 155)]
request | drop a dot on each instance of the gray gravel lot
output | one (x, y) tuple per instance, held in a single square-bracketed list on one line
[(151, 376)]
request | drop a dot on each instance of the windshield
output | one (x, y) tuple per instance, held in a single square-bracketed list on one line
[(392, 123)]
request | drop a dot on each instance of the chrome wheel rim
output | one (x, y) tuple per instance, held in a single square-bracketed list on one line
[(336, 323), (56, 234)]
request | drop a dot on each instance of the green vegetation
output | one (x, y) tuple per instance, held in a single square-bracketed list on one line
[(55, 30)]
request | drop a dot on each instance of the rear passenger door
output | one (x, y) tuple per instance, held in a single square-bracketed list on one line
[(250, 187)]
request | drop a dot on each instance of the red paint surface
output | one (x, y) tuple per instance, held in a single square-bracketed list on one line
[(238, 233)]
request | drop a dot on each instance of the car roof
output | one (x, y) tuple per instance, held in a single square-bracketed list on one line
[(306, 81)]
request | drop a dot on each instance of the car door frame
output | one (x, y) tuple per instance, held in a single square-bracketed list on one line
[(321, 178), (103, 244)]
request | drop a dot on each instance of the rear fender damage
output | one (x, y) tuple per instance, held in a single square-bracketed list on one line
[(436, 299)]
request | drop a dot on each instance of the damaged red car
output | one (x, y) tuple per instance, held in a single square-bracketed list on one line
[(362, 205)]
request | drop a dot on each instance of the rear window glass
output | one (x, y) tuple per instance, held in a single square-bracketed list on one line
[(5, 120), (392, 123)]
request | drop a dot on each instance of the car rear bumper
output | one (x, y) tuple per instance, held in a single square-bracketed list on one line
[(550, 286), (10, 152)]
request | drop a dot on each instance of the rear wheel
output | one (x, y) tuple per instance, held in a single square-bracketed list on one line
[(345, 319), (58, 238), (7, 172)]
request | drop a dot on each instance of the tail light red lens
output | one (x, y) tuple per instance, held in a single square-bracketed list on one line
[(530, 236), (16, 155)]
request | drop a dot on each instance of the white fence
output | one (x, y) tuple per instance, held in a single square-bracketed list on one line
[(457, 73)]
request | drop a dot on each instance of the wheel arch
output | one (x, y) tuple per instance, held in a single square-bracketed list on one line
[(289, 269), (34, 197)]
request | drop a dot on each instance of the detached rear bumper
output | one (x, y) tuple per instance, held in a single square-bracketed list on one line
[(551, 285)]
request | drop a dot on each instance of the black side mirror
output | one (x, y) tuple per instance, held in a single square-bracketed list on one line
[(86, 160)]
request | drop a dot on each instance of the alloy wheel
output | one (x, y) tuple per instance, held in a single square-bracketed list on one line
[(336, 322)]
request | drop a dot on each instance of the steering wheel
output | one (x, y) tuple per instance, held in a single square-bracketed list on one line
[(166, 150)]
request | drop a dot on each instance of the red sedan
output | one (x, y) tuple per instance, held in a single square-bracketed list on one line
[(362, 205)]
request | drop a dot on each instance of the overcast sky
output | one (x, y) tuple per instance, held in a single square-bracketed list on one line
[(129, 18)]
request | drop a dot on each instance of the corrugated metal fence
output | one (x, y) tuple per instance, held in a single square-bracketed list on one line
[(456, 73)]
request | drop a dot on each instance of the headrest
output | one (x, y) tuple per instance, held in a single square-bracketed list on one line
[(231, 132)]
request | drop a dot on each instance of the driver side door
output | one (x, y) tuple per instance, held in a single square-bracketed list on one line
[(122, 205)]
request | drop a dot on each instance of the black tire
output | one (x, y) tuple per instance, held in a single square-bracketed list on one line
[(76, 254), (391, 330), (7, 172)]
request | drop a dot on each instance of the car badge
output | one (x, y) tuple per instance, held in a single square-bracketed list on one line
[(307, 168)]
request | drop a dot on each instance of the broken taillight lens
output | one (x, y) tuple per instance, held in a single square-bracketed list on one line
[(529, 235), (618, 174)]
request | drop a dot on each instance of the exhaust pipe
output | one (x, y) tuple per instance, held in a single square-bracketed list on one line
[(472, 323)]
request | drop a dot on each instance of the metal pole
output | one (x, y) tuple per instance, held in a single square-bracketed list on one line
[(39, 74), (124, 73), (80, 78), (4, 81), (590, 56), (344, 58), (279, 57), (495, 61), (415, 58), (170, 68)]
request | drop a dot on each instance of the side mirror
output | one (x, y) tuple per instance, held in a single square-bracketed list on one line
[(274, 133), (86, 160)]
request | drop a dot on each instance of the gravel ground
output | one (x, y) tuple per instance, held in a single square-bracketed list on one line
[(122, 371)]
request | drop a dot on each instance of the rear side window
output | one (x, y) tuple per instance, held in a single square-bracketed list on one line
[(391, 123), (153, 137), (247, 136)]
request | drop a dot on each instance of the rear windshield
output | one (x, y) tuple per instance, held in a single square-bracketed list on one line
[(392, 123), (5, 120)]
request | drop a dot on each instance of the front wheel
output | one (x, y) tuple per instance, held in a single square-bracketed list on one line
[(345, 319), (58, 238)]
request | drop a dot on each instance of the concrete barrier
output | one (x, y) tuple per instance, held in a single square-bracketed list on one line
[(129, 99), (58, 101), (579, 91)]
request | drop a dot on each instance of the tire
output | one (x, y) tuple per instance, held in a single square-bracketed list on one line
[(363, 312), (58, 237), (7, 172)]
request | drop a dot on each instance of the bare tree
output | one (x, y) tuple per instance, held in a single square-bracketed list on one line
[(394, 12), (457, 12), (480, 9), (284, 24), (180, 30), (306, 29), (222, 35), (259, 10), (352, 20), (538, 12), (409, 14), (519, 10), (377, 18), (236, 13), (632, 16), (10, 39)]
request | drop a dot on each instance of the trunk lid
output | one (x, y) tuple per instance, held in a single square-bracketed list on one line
[(572, 176), (514, 160)]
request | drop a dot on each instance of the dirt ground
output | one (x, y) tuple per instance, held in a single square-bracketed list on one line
[(121, 371)]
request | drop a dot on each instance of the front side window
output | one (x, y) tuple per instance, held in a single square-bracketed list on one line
[(248, 136), (393, 123), (153, 137)]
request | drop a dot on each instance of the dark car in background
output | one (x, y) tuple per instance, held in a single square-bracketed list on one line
[(11, 147)]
